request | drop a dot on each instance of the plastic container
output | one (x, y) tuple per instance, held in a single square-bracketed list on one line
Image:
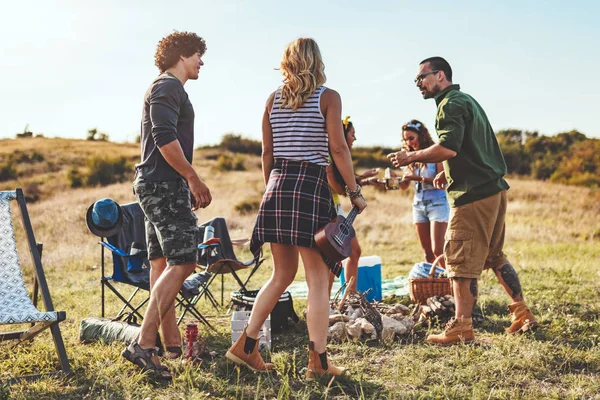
[(209, 233), (369, 277), (239, 320)]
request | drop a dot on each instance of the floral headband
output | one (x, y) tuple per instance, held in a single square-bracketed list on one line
[(346, 121), (416, 126)]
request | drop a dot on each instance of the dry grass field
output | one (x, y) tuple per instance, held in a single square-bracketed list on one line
[(553, 239)]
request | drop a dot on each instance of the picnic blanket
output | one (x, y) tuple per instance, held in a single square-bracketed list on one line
[(397, 286)]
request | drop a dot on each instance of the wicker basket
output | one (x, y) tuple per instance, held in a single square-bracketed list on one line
[(420, 289)]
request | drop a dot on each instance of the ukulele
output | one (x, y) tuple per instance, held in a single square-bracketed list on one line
[(334, 239)]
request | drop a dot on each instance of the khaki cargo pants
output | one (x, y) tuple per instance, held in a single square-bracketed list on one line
[(475, 237)]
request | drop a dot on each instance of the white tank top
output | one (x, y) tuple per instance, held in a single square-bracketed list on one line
[(300, 135)]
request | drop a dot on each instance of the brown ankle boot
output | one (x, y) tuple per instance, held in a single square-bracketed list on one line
[(244, 352), (318, 365), (458, 330), (522, 319)]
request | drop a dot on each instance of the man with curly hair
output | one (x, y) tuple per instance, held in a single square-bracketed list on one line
[(168, 191)]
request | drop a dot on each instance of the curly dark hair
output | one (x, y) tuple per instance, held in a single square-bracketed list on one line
[(177, 44), (421, 130)]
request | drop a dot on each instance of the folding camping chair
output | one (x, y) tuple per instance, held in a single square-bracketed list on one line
[(15, 305), (218, 257), (133, 268)]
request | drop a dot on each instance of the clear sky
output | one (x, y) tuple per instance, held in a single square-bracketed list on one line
[(69, 66)]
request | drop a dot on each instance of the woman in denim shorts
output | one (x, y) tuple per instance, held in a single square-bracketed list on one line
[(430, 206)]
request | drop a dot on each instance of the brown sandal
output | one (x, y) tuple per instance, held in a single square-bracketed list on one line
[(143, 359), (172, 352)]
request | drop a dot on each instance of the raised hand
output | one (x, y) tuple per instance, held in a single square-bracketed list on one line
[(440, 182), (399, 159), (200, 194), (369, 173), (360, 202)]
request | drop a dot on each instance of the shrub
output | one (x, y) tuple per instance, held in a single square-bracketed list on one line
[(94, 134), (370, 157), (75, 178), (238, 144), (27, 158), (4, 391), (212, 156), (245, 207), (25, 134), (104, 171), (226, 162), (32, 192), (580, 165), (8, 170)]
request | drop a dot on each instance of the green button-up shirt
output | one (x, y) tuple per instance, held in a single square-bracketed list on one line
[(478, 169)]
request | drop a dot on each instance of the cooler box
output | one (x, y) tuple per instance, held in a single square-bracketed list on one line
[(369, 277)]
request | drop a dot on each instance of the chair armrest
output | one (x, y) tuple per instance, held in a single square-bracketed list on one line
[(213, 242), (116, 250), (240, 242)]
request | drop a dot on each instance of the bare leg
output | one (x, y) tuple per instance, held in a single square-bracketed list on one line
[(465, 295), (317, 312), (439, 231), (162, 298), (285, 266), (168, 327), (331, 279), (508, 278), (351, 265), (424, 235)]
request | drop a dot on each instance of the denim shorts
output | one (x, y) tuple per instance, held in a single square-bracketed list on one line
[(170, 221), (437, 210)]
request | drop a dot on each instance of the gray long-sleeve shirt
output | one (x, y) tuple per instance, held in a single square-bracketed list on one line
[(168, 115)]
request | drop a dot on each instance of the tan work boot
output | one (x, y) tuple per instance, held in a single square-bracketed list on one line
[(243, 353), (522, 319), (318, 365), (458, 330)]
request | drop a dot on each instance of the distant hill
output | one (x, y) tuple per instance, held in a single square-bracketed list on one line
[(45, 166)]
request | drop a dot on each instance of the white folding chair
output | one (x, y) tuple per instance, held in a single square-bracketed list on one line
[(16, 307)]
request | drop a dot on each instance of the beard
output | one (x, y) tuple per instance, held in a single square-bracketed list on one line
[(428, 94)]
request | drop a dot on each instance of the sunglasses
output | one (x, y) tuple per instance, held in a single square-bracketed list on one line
[(424, 74)]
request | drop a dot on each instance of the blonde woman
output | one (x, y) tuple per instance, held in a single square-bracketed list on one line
[(301, 124)]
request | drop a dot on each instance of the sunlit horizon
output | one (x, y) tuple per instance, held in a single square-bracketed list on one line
[(71, 66)]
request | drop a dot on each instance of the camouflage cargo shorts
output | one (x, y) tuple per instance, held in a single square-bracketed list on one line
[(170, 222)]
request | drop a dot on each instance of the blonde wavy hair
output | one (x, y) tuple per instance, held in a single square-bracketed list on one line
[(303, 72)]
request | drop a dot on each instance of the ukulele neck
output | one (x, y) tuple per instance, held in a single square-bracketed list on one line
[(351, 215)]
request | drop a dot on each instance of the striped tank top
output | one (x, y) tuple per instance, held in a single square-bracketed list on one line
[(300, 135)]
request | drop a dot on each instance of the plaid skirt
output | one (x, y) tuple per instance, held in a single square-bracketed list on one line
[(297, 203)]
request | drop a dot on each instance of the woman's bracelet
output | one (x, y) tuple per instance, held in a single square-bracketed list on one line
[(353, 193)]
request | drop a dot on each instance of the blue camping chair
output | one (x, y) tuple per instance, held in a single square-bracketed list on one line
[(132, 267)]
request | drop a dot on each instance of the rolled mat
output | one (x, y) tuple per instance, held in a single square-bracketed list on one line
[(105, 330)]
